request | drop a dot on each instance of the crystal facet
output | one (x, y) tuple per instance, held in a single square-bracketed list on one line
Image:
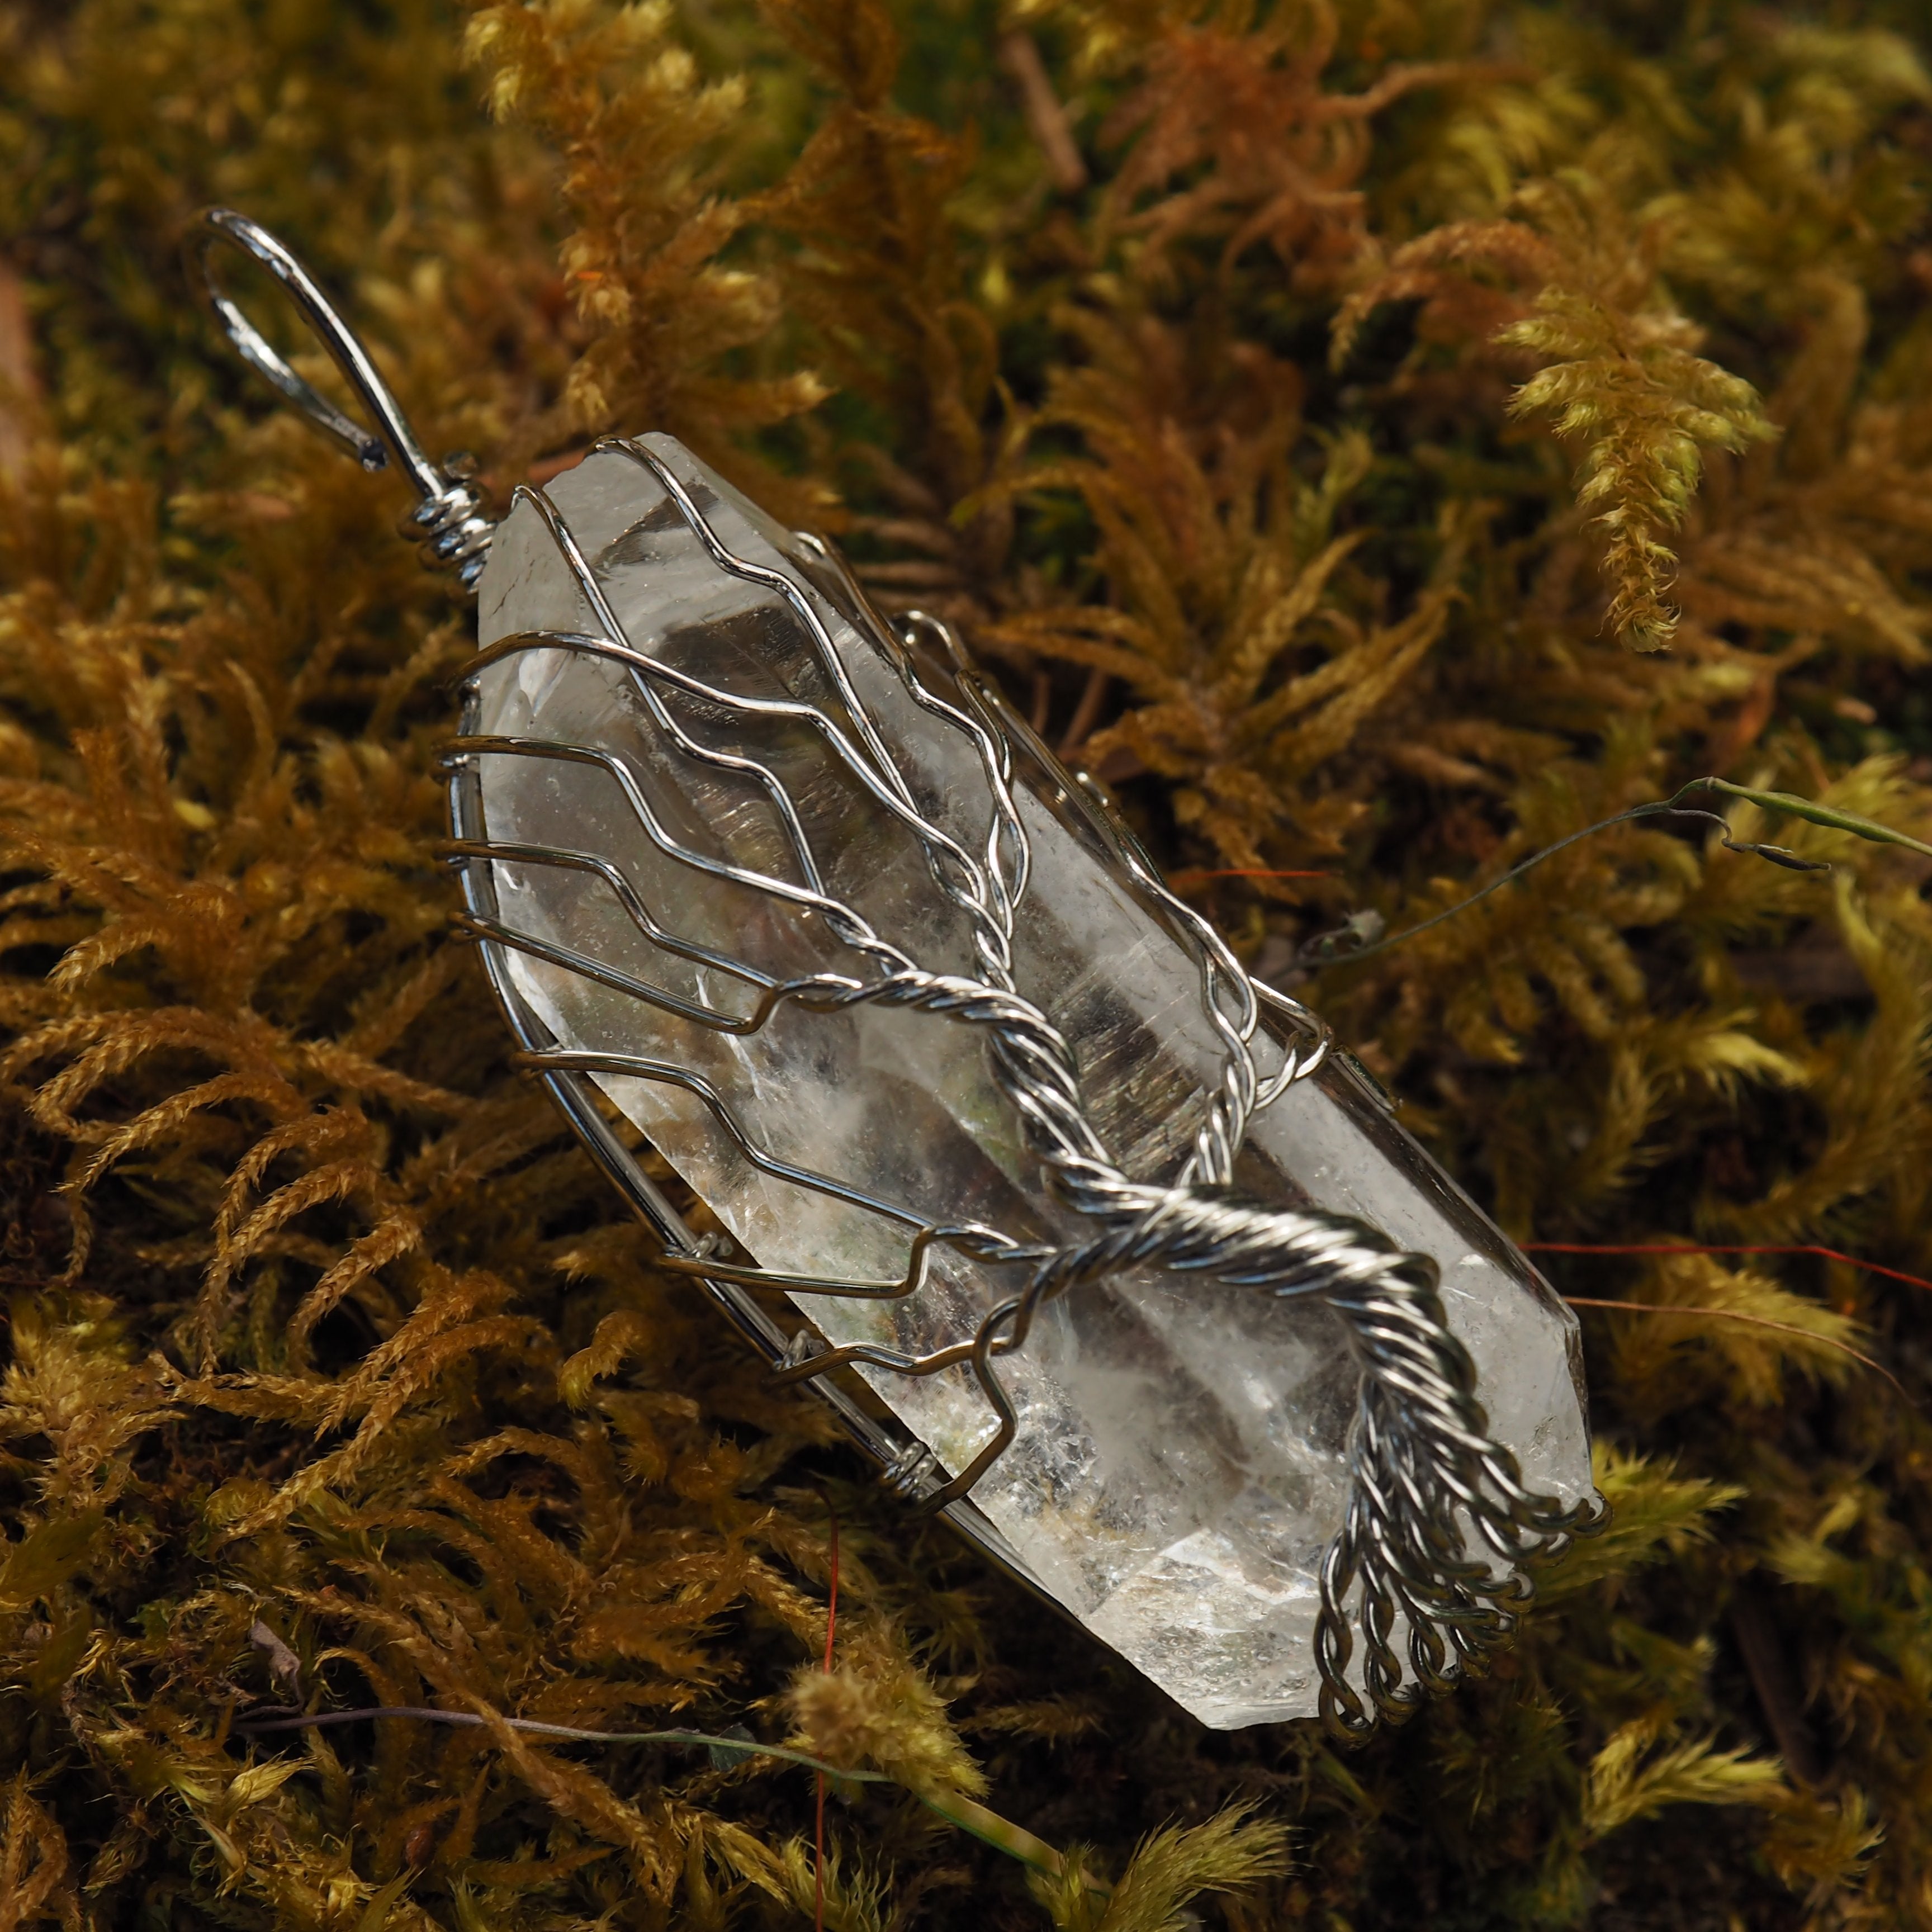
[(1180, 1462)]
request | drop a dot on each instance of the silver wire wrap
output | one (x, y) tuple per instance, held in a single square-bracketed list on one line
[(1429, 1561), (1438, 1524)]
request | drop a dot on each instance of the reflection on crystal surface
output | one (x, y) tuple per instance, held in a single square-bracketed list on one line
[(1179, 1464)]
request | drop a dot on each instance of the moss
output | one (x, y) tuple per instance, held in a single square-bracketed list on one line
[(1307, 408)]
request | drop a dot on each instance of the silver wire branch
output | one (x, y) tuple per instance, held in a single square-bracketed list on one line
[(1429, 1486), (448, 521)]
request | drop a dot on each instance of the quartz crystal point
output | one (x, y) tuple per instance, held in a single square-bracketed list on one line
[(1180, 1463)]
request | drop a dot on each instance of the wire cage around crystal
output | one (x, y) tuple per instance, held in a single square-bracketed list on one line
[(1094, 1241), (790, 894)]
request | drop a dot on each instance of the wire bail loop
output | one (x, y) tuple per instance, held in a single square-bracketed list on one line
[(448, 521)]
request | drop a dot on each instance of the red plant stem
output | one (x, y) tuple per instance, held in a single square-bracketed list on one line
[(1740, 1248), (818, 1830)]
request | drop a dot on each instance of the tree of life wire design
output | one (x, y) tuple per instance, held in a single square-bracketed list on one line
[(1438, 1523)]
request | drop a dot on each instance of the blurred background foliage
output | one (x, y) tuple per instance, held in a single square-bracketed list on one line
[(1380, 437)]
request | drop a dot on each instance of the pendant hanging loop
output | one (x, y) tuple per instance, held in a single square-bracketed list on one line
[(448, 521)]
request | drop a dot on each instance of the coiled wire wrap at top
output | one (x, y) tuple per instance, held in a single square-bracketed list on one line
[(1438, 1523)]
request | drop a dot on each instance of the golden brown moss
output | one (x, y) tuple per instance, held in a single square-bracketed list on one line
[(1309, 468)]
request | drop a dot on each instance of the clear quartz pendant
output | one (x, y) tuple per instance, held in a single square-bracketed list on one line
[(1180, 1463), (1092, 1241)]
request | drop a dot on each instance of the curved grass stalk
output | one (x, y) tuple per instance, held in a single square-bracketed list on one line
[(1329, 948), (966, 1813)]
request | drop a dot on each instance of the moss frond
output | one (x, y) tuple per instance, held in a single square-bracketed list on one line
[(1635, 1776), (1307, 458)]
